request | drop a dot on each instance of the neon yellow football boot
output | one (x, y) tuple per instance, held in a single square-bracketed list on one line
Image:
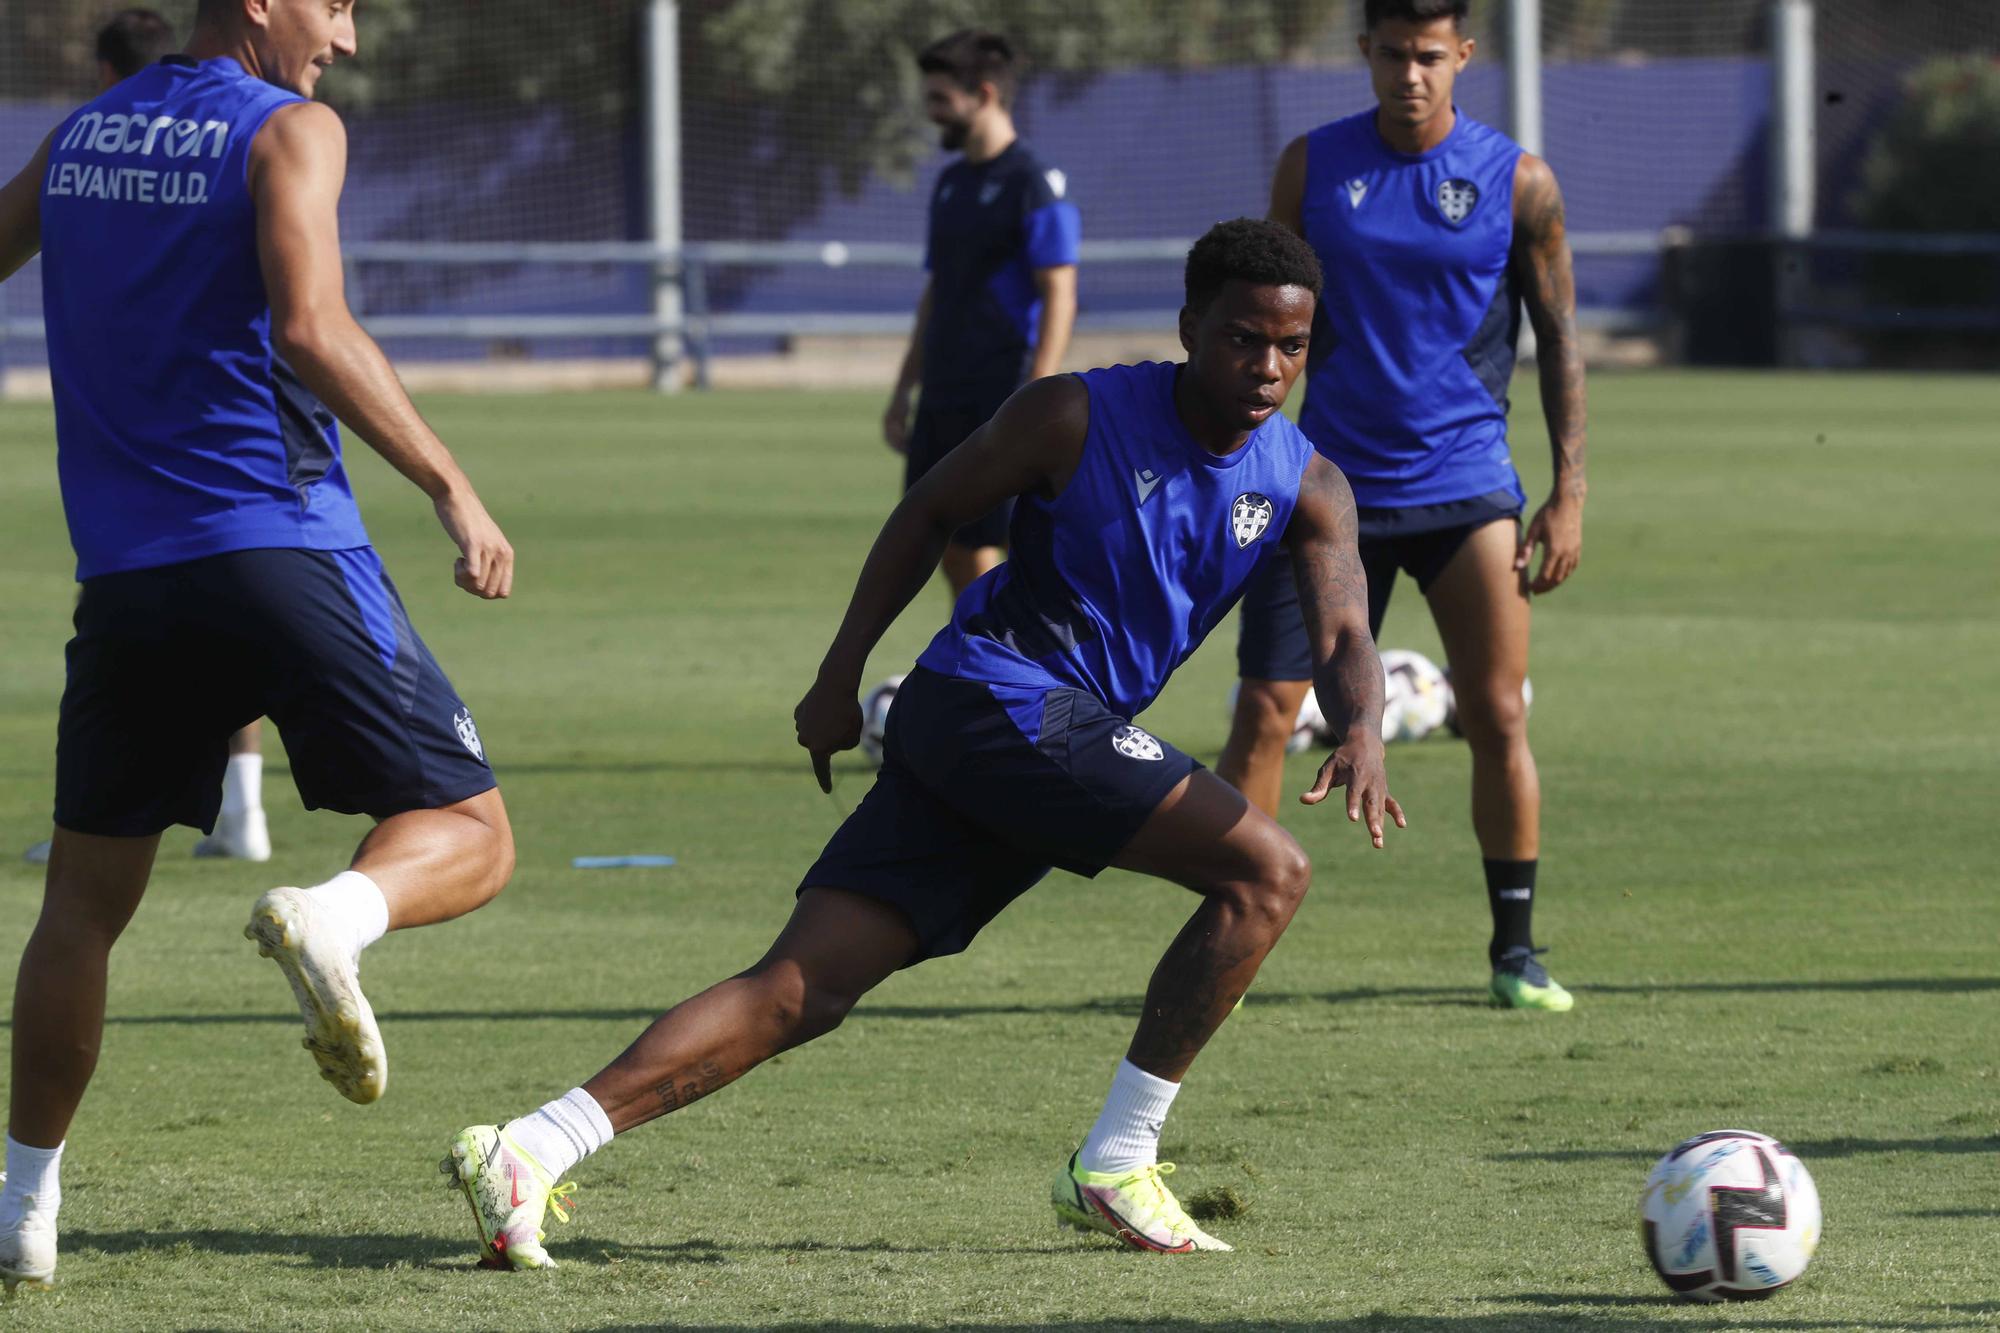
[(509, 1191), (1136, 1209), (1519, 982)]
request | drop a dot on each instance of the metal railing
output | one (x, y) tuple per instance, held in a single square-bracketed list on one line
[(694, 333)]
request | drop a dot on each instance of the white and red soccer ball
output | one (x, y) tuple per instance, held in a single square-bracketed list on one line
[(1729, 1216)]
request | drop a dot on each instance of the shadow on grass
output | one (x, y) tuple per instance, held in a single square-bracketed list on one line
[(1869, 985), (380, 1250), (703, 1251), (325, 1250), (1113, 1006), (1514, 1322), (1809, 1149)]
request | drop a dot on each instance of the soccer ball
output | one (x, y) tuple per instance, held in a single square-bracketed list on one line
[(1451, 702), (1416, 698), (1729, 1216), (875, 717), (1308, 727)]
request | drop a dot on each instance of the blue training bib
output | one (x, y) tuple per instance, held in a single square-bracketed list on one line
[(180, 432), (1411, 359), (1110, 586)]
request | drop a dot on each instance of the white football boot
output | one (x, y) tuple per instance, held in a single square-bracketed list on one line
[(28, 1251), (319, 960)]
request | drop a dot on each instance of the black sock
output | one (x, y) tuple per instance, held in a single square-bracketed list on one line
[(1510, 892)]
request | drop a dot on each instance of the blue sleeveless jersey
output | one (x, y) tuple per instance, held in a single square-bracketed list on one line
[(180, 433), (1407, 391), (1111, 585)]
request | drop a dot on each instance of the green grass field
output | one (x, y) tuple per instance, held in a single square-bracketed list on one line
[(1765, 723)]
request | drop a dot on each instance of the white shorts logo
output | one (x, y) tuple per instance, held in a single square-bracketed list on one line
[(1136, 744), (469, 734)]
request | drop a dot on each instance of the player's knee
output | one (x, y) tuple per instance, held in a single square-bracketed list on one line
[(802, 1006), (497, 851), (1493, 715), (1284, 873), (1267, 712), (499, 860)]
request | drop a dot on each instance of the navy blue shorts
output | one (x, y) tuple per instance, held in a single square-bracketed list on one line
[(1419, 540), (936, 432), (984, 789), (168, 662)]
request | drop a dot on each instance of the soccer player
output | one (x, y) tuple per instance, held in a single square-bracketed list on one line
[(201, 351), (1433, 230), (132, 40), (1145, 496), (1000, 299)]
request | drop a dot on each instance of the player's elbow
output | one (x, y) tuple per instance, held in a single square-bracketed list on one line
[(308, 339)]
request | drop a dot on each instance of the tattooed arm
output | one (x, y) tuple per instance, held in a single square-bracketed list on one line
[(1541, 264), (1347, 675), (1033, 443)]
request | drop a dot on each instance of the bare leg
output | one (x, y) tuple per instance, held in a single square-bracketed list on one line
[(1251, 875), (433, 865), (1482, 614), (250, 740), (963, 565), (1253, 759), (836, 948), (94, 885)]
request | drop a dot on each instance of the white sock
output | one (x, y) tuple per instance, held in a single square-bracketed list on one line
[(243, 784), (353, 898), (563, 1132), (1126, 1136), (32, 1173)]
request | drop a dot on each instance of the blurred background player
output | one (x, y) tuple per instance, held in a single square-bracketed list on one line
[(130, 41), (200, 349), (1000, 299), (1433, 229), (1010, 749)]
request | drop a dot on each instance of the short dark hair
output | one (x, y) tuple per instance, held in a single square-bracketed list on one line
[(1414, 11), (970, 57), (1249, 250), (134, 39)]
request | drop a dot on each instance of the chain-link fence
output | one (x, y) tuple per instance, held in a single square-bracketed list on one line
[(804, 162)]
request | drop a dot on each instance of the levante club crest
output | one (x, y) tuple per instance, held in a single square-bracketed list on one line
[(1249, 516), (1456, 199)]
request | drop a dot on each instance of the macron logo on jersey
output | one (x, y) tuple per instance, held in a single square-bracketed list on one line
[(95, 132), (120, 135), (1357, 190), (1146, 479)]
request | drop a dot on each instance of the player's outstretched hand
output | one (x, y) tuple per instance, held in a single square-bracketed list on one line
[(485, 565), (829, 721), (1557, 528), (1357, 766)]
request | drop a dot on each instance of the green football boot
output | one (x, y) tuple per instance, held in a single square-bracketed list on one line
[(1519, 982), (1136, 1209), (509, 1193)]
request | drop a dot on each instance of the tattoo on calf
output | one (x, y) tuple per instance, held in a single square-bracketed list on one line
[(688, 1085)]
